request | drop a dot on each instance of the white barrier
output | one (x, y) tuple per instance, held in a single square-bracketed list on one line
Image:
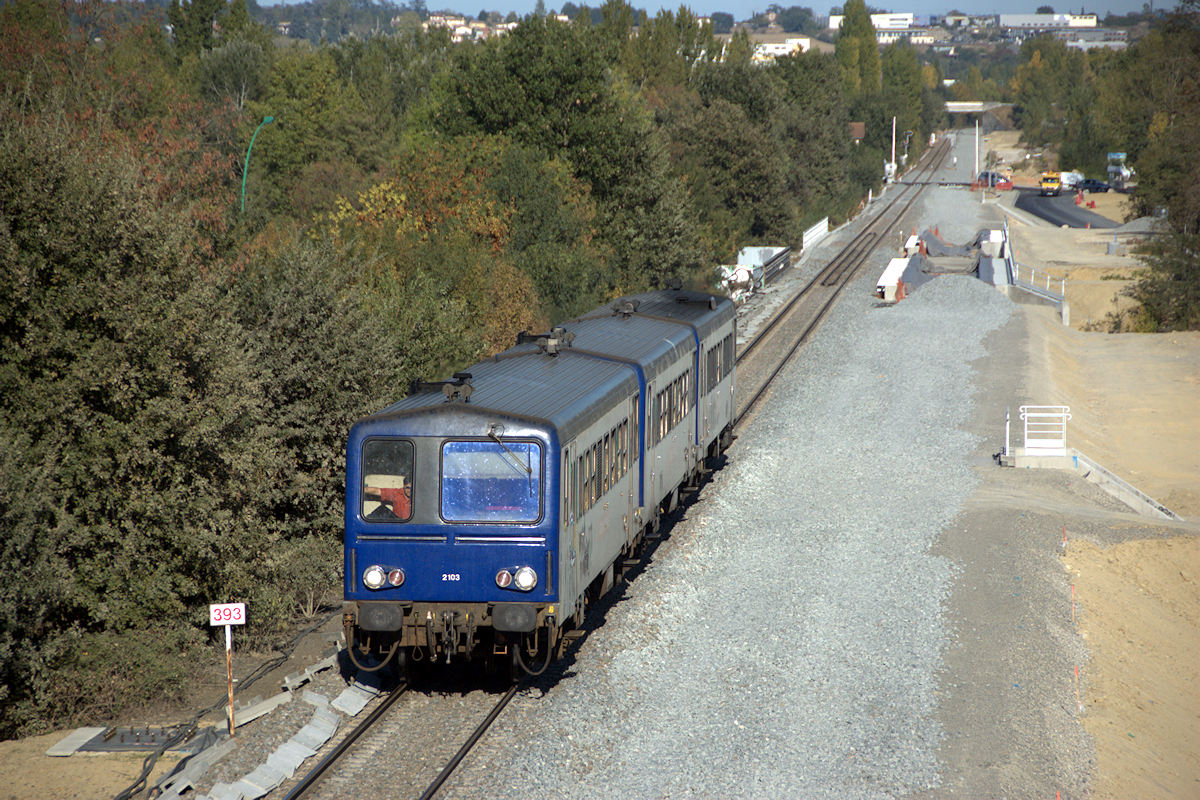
[(815, 234)]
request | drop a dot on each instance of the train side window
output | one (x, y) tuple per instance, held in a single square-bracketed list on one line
[(605, 451), (596, 454), (387, 466), (633, 418), (573, 489), (586, 472)]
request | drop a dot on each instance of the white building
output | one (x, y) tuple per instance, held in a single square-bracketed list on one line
[(913, 35), (882, 22), (768, 50), (1047, 22)]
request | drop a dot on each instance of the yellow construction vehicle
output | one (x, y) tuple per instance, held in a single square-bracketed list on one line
[(1051, 184)]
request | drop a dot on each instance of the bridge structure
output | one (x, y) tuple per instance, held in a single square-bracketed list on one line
[(973, 106)]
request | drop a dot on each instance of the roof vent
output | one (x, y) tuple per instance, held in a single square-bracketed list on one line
[(549, 343), (626, 308), (703, 300), (458, 388)]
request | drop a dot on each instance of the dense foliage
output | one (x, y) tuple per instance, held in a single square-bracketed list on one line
[(1143, 101), (177, 374)]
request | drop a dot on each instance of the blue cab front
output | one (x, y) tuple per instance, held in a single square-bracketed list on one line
[(450, 532)]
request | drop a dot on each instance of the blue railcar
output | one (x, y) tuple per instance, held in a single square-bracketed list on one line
[(482, 512)]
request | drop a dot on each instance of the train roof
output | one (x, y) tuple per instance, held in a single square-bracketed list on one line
[(653, 329), (567, 391), (704, 311), (653, 343)]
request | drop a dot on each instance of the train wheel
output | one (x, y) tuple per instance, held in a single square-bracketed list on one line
[(402, 668)]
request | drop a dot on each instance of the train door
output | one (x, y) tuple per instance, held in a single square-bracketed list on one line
[(568, 550), (629, 454), (650, 434)]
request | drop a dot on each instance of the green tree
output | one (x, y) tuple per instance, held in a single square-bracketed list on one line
[(858, 49), (797, 20), (318, 119), (667, 49), (815, 134), (233, 73), (733, 167), (192, 24), (902, 88), (120, 391), (546, 85)]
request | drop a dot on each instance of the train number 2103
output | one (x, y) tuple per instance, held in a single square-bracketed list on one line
[(451, 576)]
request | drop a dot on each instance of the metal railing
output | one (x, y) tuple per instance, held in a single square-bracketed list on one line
[(1045, 429), (1031, 278), (1038, 281)]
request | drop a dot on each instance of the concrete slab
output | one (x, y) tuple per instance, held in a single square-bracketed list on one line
[(73, 741), (264, 778), (352, 700), (261, 708)]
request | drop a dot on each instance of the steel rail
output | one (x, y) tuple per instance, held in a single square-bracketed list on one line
[(852, 250), (310, 780), (838, 272), (476, 735)]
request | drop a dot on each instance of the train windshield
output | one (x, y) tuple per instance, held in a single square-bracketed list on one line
[(491, 481), (387, 480)]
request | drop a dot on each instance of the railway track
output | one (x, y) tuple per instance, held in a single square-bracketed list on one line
[(763, 358), (359, 761), (760, 361)]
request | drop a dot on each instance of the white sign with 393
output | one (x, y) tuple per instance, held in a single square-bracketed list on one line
[(227, 614)]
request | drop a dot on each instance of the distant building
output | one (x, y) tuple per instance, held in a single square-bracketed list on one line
[(958, 21), (920, 36), (768, 47), (891, 28), (1047, 22), (1093, 38), (882, 22)]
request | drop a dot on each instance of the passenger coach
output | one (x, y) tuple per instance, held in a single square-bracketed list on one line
[(481, 512)]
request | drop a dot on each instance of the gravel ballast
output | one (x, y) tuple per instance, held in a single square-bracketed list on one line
[(786, 641)]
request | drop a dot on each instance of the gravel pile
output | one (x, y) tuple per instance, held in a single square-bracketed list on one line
[(786, 640)]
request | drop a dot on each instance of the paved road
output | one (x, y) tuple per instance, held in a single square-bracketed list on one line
[(1061, 210)]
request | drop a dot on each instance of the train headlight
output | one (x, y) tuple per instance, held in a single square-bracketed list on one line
[(374, 576), (396, 577), (525, 579), (504, 579)]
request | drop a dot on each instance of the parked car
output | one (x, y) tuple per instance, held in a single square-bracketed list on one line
[(1093, 185), (993, 179)]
